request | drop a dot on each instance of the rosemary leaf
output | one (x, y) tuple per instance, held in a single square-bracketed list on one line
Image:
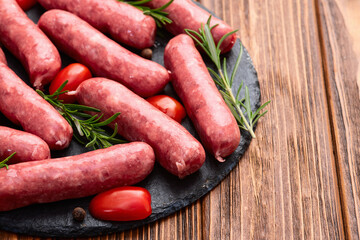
[(205, 40), (224, 37), (106, 122), (163, 7), (86, 121), (159, 15), (238, 91), (81, 108), (225, 72), (236, 67), (3, 162), (261, 108), (87, 128), (92, 143), (136, 3), (247, 102), (81, 115), (259, 116)]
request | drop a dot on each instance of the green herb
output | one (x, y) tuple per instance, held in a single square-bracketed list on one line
[(87, 128), (3, 162), (206, 41), (158, 14)]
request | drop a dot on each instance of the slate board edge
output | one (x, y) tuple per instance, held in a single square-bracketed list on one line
[(91, 231), (94, 231)]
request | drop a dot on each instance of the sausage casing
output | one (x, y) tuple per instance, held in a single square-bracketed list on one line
[(175, 148), (2, 57), (27, 146), (187, 15), (205, 106), (102, 55), (75, 176), (23, 106), (28, 43), (122, 21)]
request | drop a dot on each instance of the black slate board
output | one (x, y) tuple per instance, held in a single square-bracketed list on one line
[(169, 194)]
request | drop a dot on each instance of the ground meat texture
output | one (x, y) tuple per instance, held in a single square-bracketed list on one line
[(187, 15), (205, 106), (23, 106), (27, 146), (175, 148), (122, 21), (28, 43), (102, 55), (2, 57), (76, 176)]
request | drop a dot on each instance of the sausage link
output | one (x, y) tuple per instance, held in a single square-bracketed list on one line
[(74, 177), (102, 55), (25, 40), (187, 15), (27, 146), (122, 21), (23, 106), (175, 148), (2, 57), (192, 82)]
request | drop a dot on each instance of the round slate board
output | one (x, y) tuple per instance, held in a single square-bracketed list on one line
[(169, 194)]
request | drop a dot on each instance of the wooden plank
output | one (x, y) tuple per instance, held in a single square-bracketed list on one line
[(350, 11), (340, 67), (286, 183), (285, 186)]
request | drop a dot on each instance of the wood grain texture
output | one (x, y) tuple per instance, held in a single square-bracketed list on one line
[(340, 70), (300, 178), (350, 11), (287, 179)]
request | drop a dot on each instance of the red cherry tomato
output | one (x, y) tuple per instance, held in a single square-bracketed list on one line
[(122, 204), (75, 73), (26, 4), (169, 106)]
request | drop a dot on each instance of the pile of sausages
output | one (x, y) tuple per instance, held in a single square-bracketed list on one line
[(78, 28)]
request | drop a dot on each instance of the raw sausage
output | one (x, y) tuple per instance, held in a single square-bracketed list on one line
[(27, 146), (175, 148), (23, 106), (2, 57), (206, 108), (102, 55), (25, 40), (122, 21), (74, 177), (187, 15)]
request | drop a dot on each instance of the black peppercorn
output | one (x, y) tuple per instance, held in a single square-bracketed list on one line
[(146, 53), (79, 214)]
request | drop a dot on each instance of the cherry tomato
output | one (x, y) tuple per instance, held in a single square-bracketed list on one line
[(169, 106), (26, 4), (75, 73), (122, 204)]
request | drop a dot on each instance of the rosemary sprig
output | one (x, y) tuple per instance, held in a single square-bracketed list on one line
[(158, 14), (3, 162), (87, 128), (205, 40)]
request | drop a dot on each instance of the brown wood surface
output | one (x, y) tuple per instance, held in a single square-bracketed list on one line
[(300, 178), (340, 71)]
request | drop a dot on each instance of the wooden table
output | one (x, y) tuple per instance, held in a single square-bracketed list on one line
[(300, 179)]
